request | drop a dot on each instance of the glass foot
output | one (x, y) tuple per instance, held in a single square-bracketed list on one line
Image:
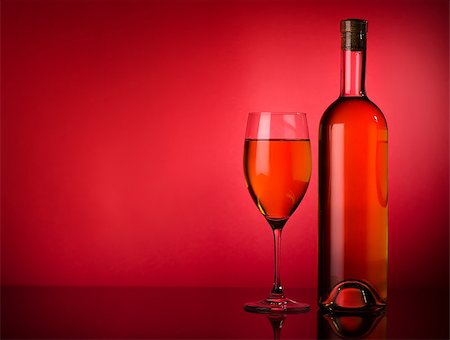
[(276, 305)]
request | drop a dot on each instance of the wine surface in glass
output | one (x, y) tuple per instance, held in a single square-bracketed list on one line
[(277, 173)]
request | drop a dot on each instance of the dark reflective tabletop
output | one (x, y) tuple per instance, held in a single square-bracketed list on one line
[(205, 313)]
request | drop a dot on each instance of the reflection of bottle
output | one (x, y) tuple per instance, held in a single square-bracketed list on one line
[(353, 221), (363, 325)]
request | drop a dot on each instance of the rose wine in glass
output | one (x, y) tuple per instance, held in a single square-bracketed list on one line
[(277, 167), (353, 198)]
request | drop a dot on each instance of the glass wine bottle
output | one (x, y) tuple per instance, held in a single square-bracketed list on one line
[(353, 209)]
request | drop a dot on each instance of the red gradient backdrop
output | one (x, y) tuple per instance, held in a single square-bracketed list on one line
[(123, 127)]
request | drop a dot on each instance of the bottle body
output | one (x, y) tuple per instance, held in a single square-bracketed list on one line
[(353, 209)]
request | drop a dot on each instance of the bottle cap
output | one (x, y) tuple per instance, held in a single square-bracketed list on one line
[(354, 25), (353, 34)]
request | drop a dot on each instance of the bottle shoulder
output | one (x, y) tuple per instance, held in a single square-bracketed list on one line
[(353, 109)]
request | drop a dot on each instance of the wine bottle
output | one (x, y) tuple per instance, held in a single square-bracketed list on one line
[(353, 198)]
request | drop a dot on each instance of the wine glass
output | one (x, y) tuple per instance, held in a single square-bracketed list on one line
[(277, 167)]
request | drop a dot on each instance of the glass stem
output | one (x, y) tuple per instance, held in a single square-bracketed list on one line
[(277, 288)]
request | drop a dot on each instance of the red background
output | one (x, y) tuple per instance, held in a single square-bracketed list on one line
[(123, 126)]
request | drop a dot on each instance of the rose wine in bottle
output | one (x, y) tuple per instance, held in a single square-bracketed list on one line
[(353, 209)]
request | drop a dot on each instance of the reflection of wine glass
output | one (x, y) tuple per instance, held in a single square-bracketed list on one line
[(277, 166), (276, 321)]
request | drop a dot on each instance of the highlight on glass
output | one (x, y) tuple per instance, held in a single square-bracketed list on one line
[(277, 168)]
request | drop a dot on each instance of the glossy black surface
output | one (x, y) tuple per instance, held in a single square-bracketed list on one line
[(144, 312)]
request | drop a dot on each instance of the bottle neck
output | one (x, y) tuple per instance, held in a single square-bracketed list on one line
[(353, 72)]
